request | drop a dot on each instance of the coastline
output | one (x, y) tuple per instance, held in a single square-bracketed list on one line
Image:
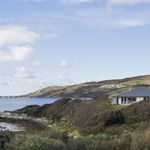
[(29, 124)]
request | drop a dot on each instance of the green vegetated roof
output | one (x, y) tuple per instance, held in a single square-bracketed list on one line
[(140, 92)]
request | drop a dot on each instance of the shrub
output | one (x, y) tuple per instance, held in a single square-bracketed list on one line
[(35, 142), (76, 144), (133, 120), (114, 117), (141, 141), (52, 134), (55, 118), (99, 143), (143, 126), (4, 138), (113, 130)]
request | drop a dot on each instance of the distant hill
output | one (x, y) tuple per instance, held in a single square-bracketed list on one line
[(93, 89)]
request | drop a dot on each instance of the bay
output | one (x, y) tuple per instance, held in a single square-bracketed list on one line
[(10, 104)]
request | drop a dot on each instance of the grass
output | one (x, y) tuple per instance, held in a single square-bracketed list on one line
[(103, 86), (62, 126), (56, 140), (118, 106), (39, 141)]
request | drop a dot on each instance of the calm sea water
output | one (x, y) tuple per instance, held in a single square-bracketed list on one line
[(10, 104)]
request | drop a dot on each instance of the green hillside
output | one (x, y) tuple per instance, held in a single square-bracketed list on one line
[(93, 89), (91, 116), (93, 124)]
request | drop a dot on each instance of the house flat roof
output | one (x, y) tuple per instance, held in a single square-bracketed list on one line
[(140, 92)]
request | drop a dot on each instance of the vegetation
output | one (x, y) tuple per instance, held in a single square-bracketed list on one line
[(86, 125), (54, 140), (92, 116), (133, 120), (40, 141), (93, 89), (5, 137)]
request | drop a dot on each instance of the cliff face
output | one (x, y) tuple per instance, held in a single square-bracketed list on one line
[(93, 89)]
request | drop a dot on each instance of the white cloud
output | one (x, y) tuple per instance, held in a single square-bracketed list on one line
[(16, 53), (65, 64), (16, 35), (130, 23), (36, 63), (77, 1), (103, 19), (22, 73), (126, 2), (61, 77)]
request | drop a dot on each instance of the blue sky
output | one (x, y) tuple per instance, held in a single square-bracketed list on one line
[(65, 42)]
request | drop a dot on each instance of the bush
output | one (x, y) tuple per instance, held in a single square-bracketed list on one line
[(99, 143), (4, 138), (35, 142), (141, 141), (114, 130), (76, 144), (52, 134), (114, 117), (133, 120), (45, 140)]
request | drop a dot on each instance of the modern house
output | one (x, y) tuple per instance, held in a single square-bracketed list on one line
[(132, 96)]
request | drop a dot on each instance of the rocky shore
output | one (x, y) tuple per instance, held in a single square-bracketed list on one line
[(27, 123), (10, 127)]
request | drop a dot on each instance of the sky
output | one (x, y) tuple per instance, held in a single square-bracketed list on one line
[(66, 42)]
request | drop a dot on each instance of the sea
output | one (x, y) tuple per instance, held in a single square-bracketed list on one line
[(11, 104)]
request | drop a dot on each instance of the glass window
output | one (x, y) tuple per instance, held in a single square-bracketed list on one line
[(134, 99)]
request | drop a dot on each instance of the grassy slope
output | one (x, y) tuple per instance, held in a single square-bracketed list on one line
[(90, 117), (106, 126), (93, 89), (96, 115), (93, 116)]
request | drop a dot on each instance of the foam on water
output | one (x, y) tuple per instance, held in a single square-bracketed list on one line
[(10, 127)]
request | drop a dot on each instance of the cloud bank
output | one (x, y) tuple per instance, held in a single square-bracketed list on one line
[(22, 73), (126, 2), (15, 43), (16, 53), (109, 2), (36, 63), (16, 35), (131, 23)]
